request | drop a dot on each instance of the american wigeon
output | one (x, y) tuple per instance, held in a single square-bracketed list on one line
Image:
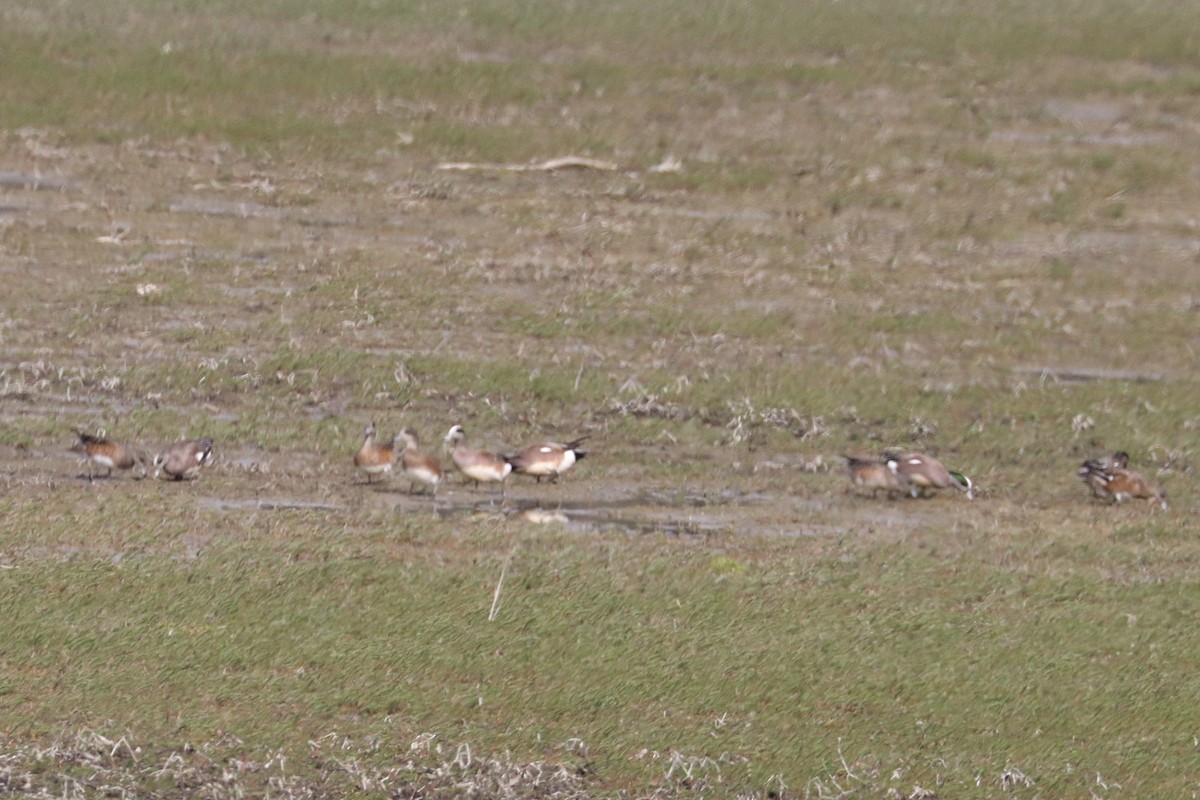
[(374, 458), (875, 474), (923, 471), (547, 459), (100, 451), (182, 459), (418, 466), (1110, 478), (481, 466)]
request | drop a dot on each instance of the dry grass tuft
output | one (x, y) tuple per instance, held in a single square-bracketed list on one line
[(88, 764)]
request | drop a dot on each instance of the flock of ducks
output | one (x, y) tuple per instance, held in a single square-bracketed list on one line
[(912, 473), (1109, 477), (184, 459), (540, 460), (176, 461), (896, 474)]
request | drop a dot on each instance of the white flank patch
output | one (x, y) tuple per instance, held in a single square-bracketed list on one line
[(423, 474), (488, 473)]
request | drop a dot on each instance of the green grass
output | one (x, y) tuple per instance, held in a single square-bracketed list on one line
[(252, 85), (1055, 666)]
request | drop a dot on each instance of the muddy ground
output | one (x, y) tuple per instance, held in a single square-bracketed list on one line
[(188, 288)]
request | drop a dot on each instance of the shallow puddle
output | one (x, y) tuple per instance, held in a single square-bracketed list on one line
[(641, 511), (220, 504)]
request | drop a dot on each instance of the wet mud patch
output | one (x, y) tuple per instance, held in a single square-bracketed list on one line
[(279, 504), (607, 508)]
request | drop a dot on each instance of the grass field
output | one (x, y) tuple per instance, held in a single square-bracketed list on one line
[(829, 228)]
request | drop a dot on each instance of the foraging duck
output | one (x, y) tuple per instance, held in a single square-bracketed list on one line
[(1100, 466), (481, 466), (875, 474), (1110, 478), (923, 472), (182, 459), (374, 458), (100, 451), (419, 467), (547, 459)]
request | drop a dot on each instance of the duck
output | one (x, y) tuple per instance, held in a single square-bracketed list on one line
[(182, 459), (1110, 478), (923, 471), (100, 451), (418, 466), (481, 466), (547, 459), (1102, 465), (374, 458), (875, 474)]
